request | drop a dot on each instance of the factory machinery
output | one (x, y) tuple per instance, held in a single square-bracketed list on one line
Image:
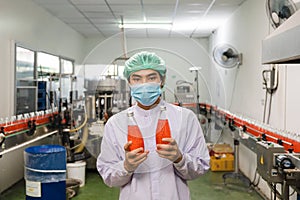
[(27, 128), (277, 151), (78, 126), (24, 129), (103, 98)]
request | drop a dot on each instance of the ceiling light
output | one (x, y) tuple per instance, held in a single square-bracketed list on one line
[(146, 25), (204, 24)]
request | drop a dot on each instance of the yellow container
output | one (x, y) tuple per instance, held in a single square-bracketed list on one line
[(222, 163)]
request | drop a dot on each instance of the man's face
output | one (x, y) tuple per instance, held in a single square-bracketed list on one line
[(144, 76)]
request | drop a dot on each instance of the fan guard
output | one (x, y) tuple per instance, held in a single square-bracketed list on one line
[(279, 10), (227, 56)]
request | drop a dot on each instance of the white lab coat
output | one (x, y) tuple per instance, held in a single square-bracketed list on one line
[(156, 178)]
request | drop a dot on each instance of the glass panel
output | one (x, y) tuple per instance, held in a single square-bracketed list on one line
[(25, 83), (24, 63), (26, 98), (66, 66), (47, 64)]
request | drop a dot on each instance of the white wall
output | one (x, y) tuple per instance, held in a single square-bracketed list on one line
[(29, 25), (245, 31)]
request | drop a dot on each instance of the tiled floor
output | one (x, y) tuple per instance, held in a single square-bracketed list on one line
[(208, 187)]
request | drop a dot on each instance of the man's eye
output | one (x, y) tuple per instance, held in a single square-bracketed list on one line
[(152, 78)]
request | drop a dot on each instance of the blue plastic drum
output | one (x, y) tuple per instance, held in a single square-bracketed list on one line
[(45, 172)]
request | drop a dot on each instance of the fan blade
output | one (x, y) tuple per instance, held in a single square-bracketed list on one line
[(285, 12)]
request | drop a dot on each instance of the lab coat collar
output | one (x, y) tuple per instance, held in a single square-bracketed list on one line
[(151, 111)]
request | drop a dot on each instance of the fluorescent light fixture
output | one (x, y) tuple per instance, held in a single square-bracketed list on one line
[(204, 24), (146, 25)]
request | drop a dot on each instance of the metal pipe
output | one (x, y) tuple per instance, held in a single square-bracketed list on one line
[(26, 143)]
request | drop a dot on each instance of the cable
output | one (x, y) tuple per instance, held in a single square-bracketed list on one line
[(207, 129), (220, 136), (265, 107), (269, 112), (268, 91), (274, 190), (258, 180), (234, 84), (266, 95)]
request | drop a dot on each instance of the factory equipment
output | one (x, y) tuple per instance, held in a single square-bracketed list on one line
[(278, 157), (275, 165), (236, 174), (265, 160), (184, 92), (54, 114), (26, 128), (110, 92)]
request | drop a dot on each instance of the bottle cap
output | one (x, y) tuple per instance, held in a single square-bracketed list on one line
[(162, 108), (130, 113)]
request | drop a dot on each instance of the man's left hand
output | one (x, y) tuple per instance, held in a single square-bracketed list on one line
[(169, 151)]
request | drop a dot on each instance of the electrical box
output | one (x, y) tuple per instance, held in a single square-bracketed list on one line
[(265, 160)]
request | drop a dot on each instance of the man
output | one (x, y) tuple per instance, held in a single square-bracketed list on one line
[(159, 171)]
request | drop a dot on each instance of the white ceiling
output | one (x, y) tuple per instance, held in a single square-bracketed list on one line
[(102, 17)]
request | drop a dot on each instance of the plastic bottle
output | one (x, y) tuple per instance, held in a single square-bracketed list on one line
[(163, 128), (134, 133)]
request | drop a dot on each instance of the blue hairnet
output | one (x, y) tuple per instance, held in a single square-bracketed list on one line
[(144, 60)]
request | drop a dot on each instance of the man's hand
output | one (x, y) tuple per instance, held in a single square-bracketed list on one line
[(169, 151), (133, 158)]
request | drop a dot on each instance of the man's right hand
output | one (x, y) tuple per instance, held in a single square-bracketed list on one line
[(133, 158)]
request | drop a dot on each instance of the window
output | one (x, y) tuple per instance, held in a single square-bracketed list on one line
[(25, 72), (47, 64), (66, 66), (32, 73)]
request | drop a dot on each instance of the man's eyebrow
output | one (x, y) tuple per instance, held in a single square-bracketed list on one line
[(136, 75), (152, 74)]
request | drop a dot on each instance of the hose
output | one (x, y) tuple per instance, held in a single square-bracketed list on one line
[(81, 126), (81, 146)]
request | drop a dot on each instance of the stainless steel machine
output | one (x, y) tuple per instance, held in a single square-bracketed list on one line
[(276, 166), (110, 92)]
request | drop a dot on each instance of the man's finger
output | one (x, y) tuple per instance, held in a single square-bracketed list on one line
[(138, 150), (127, 145), (164, 147), (170, 140)]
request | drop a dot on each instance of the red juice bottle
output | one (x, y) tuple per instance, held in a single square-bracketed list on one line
[(134, 133), (163, 128)]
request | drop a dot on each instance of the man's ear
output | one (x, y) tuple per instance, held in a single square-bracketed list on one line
[(163, 79)]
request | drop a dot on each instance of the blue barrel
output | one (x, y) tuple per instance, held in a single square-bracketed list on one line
[(45, 172)]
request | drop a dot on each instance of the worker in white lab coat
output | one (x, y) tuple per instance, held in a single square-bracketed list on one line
[(159, 171)]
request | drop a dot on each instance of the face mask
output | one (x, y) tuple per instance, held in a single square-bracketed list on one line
[(146, 93)]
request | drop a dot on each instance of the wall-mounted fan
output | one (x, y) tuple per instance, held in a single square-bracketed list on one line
[(227, 56), (279, 10)]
